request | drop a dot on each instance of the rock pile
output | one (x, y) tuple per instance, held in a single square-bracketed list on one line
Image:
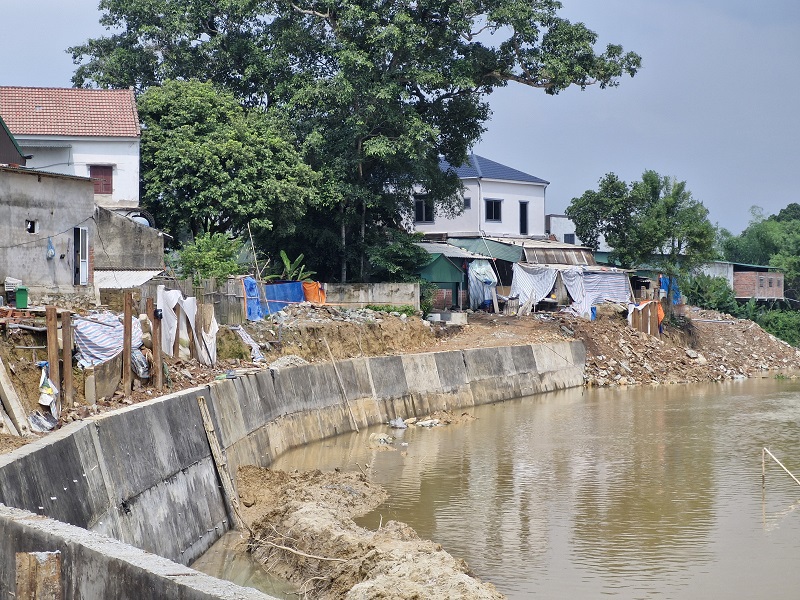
[(709, 347)]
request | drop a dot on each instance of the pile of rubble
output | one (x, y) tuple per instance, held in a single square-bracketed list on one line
[(306, 312), (709, 346)]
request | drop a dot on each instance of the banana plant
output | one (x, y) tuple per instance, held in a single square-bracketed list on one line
[(295, 270)]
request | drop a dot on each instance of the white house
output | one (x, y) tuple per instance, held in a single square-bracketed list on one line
[(498, 201), (76, 131)]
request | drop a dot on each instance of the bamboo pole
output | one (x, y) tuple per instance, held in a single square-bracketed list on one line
[(780, 464), (341, 385), (66, 356)]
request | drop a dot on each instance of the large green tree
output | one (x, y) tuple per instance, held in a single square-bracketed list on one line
[(211, 166), (655, 221), (377, 91)]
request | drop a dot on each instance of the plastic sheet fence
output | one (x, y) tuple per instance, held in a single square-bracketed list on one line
[(271, 298)]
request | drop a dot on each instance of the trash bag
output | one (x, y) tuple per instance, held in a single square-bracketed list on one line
[(48, 392), (139, 364), (397, 423)]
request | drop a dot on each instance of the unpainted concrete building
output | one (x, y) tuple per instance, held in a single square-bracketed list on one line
[(47, 228)]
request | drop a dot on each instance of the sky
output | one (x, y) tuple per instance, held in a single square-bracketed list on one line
[(716, 104)]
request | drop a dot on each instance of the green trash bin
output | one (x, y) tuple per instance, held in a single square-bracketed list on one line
[(22, 296)]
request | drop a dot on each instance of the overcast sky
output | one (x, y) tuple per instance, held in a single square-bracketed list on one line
[(717, 103)]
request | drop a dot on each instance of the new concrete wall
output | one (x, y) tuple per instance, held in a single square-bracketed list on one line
[(144, 475)]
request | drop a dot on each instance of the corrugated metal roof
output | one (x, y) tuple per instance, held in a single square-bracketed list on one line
[(69, 111), (122, 279), (449, 250), (489, 248), (480, 167)]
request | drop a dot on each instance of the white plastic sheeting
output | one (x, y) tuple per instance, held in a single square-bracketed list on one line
[(481, 282), (205, 341), (586, 288), (532, 281), (99, 337), (590, 288)]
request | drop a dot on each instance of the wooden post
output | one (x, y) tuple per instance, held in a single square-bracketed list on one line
[(231, 497), (157, 358), (66, 356), (12, 403), (51, 320), (654, 319), (127, 333), (38, 576)]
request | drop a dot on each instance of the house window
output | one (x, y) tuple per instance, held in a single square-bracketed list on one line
[(760, 282), (31, 226), (569, 238), (493, 212), (467, 203), (102, 177), (423, 209), (770, 282)]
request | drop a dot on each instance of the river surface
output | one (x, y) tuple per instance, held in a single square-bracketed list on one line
[(647, 492)]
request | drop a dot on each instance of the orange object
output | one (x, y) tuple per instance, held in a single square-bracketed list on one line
[(313, 292)]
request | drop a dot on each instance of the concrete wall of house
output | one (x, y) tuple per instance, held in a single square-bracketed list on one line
[(760, 285), (511, 194), (719, 269), (125, 244), (55, 204), (145, 476), (558, 225), (120, 153)]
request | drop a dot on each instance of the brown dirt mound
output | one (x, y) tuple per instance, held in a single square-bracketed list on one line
[(303, 531)]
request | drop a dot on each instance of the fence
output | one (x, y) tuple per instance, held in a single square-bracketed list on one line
[(227, 296)]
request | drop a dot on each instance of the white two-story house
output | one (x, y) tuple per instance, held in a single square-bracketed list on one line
[(76, 131), (498, 201)]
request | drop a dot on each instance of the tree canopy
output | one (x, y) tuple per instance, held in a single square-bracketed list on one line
[(655, 221), (210, 166), (375, 92)]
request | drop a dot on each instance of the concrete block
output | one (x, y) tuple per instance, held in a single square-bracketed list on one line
[(451, 368), (389, 376), (95, 566), (58, 476), (422, 375)]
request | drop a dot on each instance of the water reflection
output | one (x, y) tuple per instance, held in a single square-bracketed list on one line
[(628, 493)]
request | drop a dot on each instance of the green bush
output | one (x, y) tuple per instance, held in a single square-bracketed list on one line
[(712, 293), (405, 309), (783, 324), (427, 292), (209, 256)]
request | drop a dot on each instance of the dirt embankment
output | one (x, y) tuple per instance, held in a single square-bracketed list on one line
[(303, 530)]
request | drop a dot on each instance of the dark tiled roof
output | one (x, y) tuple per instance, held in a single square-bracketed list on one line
[(69, 111), (478, 166)]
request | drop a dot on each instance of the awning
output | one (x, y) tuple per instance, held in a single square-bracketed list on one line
[(122, 279), (448, 250)]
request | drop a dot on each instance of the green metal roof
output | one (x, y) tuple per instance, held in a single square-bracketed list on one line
[(442, 270), (508, 252), (11, 137)]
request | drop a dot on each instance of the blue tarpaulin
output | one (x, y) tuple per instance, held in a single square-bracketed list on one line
[(255, 311), (281, 295)]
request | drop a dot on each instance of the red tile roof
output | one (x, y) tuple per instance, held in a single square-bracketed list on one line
[(69, 111)]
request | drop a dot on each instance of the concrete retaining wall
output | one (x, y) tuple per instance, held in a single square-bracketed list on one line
[(144, 475)]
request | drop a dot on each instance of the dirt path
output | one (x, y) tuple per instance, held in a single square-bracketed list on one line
[(304, 531)]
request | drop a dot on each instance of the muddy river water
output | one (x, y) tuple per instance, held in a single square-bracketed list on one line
[(649, 492)]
